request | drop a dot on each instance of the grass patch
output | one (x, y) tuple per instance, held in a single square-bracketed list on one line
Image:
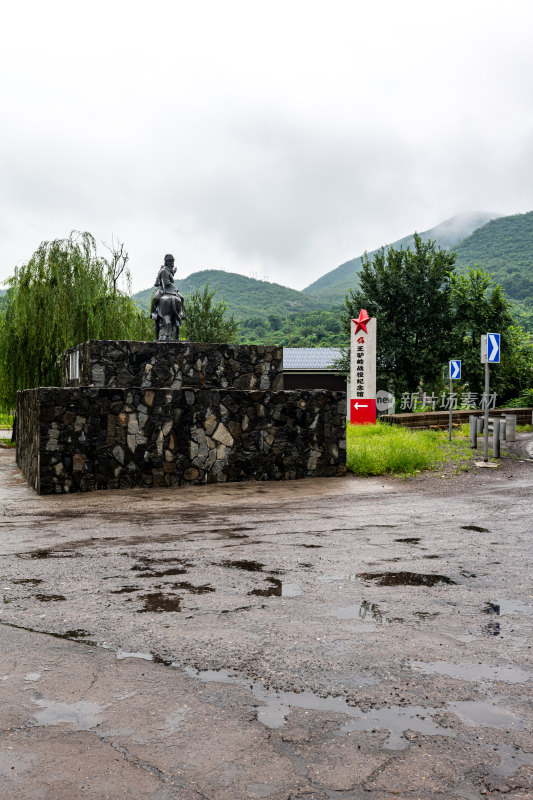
[(6, 420), (380, 449), (7, 443)]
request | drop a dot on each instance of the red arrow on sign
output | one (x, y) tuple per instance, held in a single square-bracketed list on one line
[(363, 411)]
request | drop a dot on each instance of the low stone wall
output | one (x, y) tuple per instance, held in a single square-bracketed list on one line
[(27, 435), (429, 418), (81, 439), (173, 364)]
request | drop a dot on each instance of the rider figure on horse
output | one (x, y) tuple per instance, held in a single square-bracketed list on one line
[(165, 284), (165, 288)]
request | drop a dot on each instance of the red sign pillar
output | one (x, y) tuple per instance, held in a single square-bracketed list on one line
[(363, 370)]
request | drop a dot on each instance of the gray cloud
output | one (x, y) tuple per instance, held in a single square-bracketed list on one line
[(282, 143)]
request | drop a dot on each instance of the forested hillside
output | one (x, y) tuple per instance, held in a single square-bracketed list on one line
[(505, 248), (246, 297), (316, 329), (334, 285)]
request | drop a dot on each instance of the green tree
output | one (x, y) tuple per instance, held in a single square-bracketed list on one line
[(515, 373), (206, 321), (64, 295), (479, 305), (408, 291)]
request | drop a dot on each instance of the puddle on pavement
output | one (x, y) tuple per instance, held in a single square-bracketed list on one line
[(28, 581), (190, 587), (367, 612), (49, 598), (396, 719), (122, 654), (278, 588), (249, 566), (409, 540), (157, 603), (486, 715), (149, 573), (147, 567), (477, 528), (508, 607), (493, 627), (473, 672), (274, 590), (406, 579), (125, 590), (75, 633), (512, 758), (83, 714), (155, 657), (213, 675)]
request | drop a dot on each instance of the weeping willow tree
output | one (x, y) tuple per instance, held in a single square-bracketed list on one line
[(64, 295)]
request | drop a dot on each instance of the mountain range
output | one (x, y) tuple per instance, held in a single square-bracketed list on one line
[(501, 244), (335, 284), (247, 298)]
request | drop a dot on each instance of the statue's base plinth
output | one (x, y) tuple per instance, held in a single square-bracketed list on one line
[(87, 438), (153, 365)]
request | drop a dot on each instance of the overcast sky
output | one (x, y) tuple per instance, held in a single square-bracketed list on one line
[(271, 138)]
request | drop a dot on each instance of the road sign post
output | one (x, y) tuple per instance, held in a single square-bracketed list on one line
[(490, 354), (454, 372)]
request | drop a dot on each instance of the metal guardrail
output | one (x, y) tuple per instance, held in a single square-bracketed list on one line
[(503, 429)]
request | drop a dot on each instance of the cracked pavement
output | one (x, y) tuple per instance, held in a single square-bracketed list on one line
[(326, 638)]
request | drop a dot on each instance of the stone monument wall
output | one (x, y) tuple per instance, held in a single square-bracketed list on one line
[(27, 435), (86, 438), (173, 364)]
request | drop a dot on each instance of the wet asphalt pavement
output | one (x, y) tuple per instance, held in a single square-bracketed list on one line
[(328, 638)]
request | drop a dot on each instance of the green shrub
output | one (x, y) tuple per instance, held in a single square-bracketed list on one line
[(524, 400)]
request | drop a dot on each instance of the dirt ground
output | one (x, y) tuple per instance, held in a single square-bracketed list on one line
[(327, 638)]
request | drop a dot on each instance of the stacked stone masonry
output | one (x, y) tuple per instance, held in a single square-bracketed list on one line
[(87, 438), (173, 365)]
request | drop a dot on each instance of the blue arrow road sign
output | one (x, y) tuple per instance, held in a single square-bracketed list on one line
[(455, 370), (493, 348)]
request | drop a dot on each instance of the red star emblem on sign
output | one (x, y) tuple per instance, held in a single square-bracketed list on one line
[(360, 322)]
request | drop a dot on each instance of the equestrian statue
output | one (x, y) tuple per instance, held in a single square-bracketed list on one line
[(167, 304)]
